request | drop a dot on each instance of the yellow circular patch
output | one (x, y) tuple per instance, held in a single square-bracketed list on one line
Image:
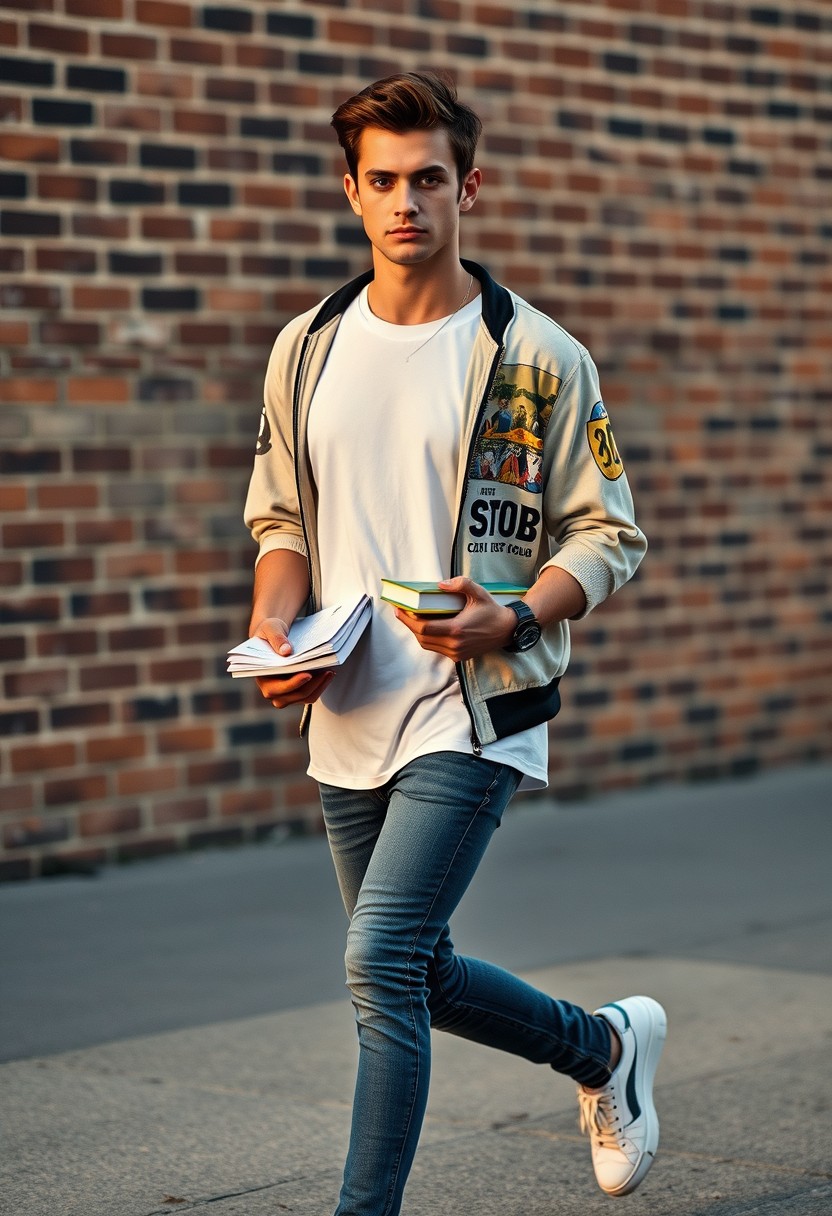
[(602, 443)]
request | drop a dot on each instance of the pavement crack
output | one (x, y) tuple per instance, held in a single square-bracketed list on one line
[(191, 1205)]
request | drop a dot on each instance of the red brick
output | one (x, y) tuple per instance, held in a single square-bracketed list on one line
[(97, 298), (11, 573), (88, 390), (177, 671), (28, 391), (13, 498), (134, 565), (110, 749), (167, 227), (186, 739), (34, 535), (70, 790), (49, 683), (111, 675), (26, 147), (17, 797), (103, 531), (128, 46), (163, 13), (182, 810), (34, 758), (147, 780), (247, 802), (109, 822)]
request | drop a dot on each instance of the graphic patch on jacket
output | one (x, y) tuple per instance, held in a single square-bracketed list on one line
[(510, 444), (264, 437), (602, 444)]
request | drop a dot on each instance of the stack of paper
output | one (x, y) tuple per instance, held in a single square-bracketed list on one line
[(321, 640)]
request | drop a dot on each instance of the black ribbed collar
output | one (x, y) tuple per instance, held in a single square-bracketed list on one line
[(497, 306)]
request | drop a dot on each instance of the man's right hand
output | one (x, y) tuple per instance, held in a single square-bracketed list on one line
[(302, 688)]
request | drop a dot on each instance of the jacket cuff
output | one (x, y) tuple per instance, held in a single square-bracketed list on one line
[(587, 568), (280, 541)]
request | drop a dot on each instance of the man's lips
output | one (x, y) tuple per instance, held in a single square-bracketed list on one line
[(406, 231)]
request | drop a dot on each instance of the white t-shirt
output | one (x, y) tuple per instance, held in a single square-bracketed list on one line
[(384, 438)]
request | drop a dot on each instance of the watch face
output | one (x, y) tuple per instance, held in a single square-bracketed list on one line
[(526, 636)]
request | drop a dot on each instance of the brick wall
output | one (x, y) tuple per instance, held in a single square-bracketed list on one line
[(658, 175)]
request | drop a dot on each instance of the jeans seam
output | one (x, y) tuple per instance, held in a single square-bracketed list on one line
[(483, 803)]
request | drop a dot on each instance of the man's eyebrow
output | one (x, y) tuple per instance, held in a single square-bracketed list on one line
[(416, 173)]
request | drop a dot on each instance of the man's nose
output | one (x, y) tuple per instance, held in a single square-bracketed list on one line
[(406, 200)]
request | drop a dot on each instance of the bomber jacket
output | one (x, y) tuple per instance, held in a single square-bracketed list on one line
[(540, 483)]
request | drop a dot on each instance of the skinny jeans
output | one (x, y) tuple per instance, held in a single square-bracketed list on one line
[(404, 855)]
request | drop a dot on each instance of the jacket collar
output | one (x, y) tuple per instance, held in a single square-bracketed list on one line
[(497, 304)]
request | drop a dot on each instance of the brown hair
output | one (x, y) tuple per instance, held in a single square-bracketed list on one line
[(410, 101)]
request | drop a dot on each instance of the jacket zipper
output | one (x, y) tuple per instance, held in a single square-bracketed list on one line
[(295, 435), (304, 718), (476, 743)]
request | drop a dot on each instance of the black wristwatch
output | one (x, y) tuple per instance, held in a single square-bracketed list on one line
[(527, 631)]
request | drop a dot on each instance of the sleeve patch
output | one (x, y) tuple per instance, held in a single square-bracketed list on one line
[(602, 443)]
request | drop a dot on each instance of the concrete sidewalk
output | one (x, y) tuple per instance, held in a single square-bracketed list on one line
[(250, 1115)]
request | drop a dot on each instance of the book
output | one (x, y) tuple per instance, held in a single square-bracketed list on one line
[(323, 639), (427, 599)]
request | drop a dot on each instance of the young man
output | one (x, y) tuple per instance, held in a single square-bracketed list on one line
[(390, 412)]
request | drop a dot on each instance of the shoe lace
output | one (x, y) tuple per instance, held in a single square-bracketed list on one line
[(599, 1117)]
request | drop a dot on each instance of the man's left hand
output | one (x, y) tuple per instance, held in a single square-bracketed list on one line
[(482, 625)]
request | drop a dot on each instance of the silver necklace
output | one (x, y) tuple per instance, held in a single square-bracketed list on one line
[(445, 322)]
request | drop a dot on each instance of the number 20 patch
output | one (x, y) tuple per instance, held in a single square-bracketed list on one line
[(602, 443)]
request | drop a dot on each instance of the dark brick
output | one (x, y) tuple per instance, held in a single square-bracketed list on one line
[(101, 460), (151, 709), (13, 185), (167, 156), (291, 25), (170, 299), (134, 264), (326, 268), (132, 191), (49, 112), (286, 162), (65, 717), (317, 63), (63, 569), (468, 44), (264, 128), (34, 72), (98, 152), (232, 20), (26, 612), (103, 603), (204, 194), (29, 223), (95, 79), (19, 722), (264, 266), (39, 460), (228, 701), (645, 750), (631, 128), (765, 16), (630, 64), (249, 733)]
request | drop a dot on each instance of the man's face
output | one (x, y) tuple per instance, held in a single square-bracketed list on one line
[(408, 194)]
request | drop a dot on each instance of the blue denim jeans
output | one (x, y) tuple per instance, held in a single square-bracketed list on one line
[(404, 855)]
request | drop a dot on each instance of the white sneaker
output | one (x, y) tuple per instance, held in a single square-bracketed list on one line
[(620, 1118)]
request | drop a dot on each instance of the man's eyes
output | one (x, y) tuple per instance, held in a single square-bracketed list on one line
[(430, 180)]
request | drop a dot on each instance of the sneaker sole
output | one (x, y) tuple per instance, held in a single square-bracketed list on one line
[(647, 1062)]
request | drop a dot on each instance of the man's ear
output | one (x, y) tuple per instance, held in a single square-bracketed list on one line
[(470, 189), (351, 191)]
